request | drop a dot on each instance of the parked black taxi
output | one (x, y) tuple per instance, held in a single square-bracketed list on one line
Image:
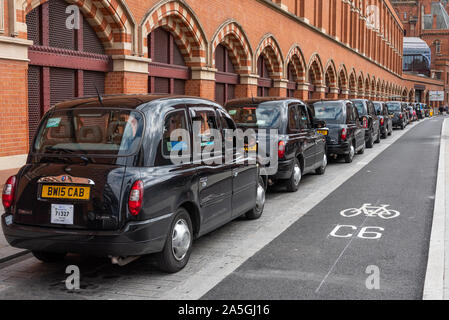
[(385, 121), (301, 147), (346, 135), (371, 123), (100, 179), (398, 110)]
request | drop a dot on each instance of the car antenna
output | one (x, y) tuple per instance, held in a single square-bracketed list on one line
[(100, 98)]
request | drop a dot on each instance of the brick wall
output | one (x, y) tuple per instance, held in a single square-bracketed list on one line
[(13, 108)]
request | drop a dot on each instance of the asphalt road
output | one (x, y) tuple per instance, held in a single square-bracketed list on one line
[(308, 262)]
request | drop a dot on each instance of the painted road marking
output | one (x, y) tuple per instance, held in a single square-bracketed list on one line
[(371, 211)]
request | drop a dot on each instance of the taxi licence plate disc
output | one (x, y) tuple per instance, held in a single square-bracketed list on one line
[(62, 213)]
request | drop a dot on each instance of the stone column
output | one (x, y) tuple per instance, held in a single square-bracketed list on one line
[(202, 83), (302, 91), (320, 92), (333, 93), (344, 94)]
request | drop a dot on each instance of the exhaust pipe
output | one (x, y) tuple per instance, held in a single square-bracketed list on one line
[(123, 261)]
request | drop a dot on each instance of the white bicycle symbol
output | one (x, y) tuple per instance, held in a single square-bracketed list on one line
[(371, 211)]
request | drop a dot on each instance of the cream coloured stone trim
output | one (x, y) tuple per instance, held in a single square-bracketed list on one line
[(14, 48), (12, 162), (130, 63), (249, 79), (203, 73), (280, 83)]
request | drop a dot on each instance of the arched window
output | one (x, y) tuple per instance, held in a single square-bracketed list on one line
[(264, 82), (64, 63), (291, 85), (167, 70), (225, 78)]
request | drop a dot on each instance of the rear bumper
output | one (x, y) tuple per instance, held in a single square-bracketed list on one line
[(397, 122), (342, 148), (285, 169), (136, 238)]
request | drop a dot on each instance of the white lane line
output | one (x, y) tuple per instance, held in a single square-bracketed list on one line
[(338, 258)]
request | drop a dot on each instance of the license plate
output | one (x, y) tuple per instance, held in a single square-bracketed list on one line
[(252, 148), (323, 132), (62, 213), (65, 192)]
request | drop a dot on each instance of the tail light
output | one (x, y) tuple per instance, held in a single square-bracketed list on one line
[(365, 123), (135, 198), (281, 149), (400, 116), (8, 192), (343, 134), (381, 121)]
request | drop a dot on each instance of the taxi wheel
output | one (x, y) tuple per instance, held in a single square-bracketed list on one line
[(322, 169), (370, 142), (362, 151), (378, 137), (257, 211), (48, 257), (295, 178), (350, 156), (178, 246)]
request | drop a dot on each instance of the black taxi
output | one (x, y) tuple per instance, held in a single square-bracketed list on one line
[(300, 144), (126, 175)]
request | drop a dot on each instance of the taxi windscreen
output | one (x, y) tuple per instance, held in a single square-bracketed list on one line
[(90, 131), (263, 115)]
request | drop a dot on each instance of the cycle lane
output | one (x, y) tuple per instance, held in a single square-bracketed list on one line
[(325, 255)]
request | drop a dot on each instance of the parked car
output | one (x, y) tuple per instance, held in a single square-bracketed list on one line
[(398, 111), (386, 123), (301, 148), (346, 134), (371, 122), (100, 179)]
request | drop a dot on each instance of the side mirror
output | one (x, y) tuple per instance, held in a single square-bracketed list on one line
[(319, 123)]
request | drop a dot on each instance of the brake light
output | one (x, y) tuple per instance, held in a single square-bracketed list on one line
[(343, 134), (365, 123), (281, 149), (8, 192), (135, 198), (381, 121), (400, 116)]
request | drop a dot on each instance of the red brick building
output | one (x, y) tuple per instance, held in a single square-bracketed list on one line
[(429, 20), (214, 49)]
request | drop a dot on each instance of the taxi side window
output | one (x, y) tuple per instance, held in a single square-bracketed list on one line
[(304, 121), (349, 114), (205, 119), (356, 115), (293, 119), (173, 121), (226, 124)]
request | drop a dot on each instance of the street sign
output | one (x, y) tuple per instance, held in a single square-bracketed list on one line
[(436, 95)]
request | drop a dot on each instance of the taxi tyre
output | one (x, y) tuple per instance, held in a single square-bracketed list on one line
[(350, 156), (362, 150), (49, 257), (165, 259), (292, 186), (322, 169), (257, 211), (402, 126)]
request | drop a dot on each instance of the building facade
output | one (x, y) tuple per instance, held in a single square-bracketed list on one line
[(214, 49)]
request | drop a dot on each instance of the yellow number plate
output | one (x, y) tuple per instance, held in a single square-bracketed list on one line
[(65, 192), (253, 148), (323, 132)]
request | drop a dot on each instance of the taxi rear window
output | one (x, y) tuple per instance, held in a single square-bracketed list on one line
[(90, 131), (263, 115)]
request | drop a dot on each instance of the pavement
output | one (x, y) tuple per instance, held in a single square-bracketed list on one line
[(301, 248)]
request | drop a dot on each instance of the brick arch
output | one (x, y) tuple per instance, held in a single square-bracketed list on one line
[(383, 88), (177, 18), (360, 84), (411, 95), (373, 85), (378, 87), (330, 75), (269, 48), (233, 37), (111, 20), (404, 94), (315, 68), (296, 57), (342, 82)]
